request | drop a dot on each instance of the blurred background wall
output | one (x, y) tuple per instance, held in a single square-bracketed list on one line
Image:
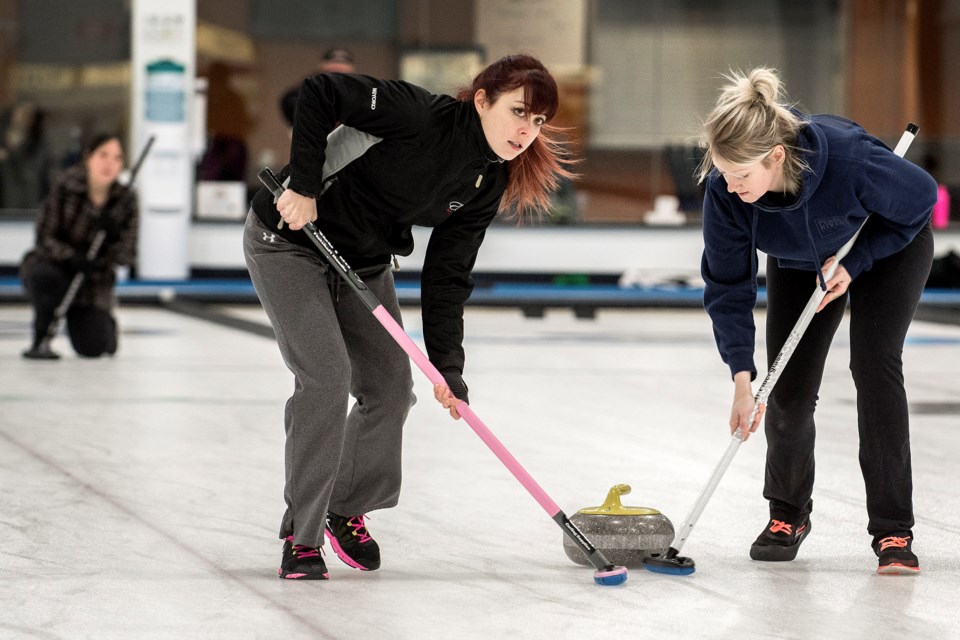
[(636, 76)]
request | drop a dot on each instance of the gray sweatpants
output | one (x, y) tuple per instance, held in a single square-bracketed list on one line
[(347, 462)]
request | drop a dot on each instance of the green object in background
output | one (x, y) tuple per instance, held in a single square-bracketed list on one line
[(572, 280)]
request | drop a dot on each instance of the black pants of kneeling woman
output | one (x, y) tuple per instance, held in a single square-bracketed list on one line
[(882, 302), (92, 331)]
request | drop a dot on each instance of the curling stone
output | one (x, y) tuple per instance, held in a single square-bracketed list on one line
[(625, 535)]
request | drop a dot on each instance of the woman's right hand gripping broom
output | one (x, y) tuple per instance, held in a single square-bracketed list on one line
[(743, 403)]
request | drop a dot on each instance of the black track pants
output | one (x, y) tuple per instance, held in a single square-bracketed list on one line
[(882, 303), (92, 331)]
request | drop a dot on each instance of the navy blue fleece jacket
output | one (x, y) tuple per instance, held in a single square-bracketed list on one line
[(851, 176)]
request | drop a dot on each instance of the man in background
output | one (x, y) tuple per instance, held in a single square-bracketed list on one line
[(335, 60)]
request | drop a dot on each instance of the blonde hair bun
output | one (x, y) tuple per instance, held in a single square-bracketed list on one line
[(749, 119)]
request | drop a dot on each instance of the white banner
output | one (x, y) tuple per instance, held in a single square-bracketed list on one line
[(162, 70)]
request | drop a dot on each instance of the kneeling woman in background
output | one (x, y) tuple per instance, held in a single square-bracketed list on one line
[(86, 200)]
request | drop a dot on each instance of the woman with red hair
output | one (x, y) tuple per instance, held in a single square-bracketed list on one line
[(400, 157)]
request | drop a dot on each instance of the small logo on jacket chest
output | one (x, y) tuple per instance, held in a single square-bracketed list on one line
[(269, 237), (453, 206), (830, 226)]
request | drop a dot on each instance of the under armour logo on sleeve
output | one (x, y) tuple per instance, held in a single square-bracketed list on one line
[(269, 237)]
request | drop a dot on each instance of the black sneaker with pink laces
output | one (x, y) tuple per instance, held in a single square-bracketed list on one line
[(302, 563), (351, 541), (780, 540), (895, 556)]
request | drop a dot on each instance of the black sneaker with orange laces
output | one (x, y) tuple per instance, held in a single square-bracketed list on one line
[(780, 540), (302, 563), (896, 557), (351, 541)]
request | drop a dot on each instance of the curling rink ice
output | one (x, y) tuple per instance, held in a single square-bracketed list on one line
[(140, 495)]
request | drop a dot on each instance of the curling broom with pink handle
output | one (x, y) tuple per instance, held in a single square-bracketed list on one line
[(607, 574)]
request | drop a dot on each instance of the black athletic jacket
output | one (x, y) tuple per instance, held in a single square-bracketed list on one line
[(403, 157)]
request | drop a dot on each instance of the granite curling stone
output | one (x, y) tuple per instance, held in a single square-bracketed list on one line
[(625, 535)]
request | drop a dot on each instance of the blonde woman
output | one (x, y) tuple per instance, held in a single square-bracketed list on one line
[(797, 187)]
